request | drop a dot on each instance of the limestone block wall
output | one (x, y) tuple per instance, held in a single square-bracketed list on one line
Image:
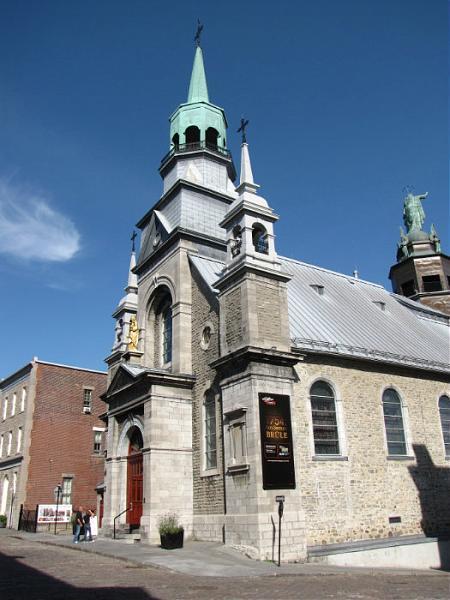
[(207, 486), (167, 459), (353, 497), (252, 518)]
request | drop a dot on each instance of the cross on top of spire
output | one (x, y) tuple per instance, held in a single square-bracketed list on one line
[(198, 33), (244, 123), (132, 238)]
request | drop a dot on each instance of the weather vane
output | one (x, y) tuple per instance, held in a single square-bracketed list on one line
[(132, 238), (244, 123), (199, 32)]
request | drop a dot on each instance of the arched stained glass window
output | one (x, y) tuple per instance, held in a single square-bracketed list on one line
[(325, 429), (210, 431), (444, 413), (393, 422), (166, 334)]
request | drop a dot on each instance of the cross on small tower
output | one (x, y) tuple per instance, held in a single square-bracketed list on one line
[(244, 123), (132, 238), (199, 32)]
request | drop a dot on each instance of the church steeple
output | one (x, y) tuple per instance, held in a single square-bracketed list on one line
[(198, 123), (249, 223), (422, 271), (198, 88)]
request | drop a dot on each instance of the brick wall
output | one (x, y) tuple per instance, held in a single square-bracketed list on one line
[(62, 438)]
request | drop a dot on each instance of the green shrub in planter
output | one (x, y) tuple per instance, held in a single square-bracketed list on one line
[(170, 532), (2, 520)]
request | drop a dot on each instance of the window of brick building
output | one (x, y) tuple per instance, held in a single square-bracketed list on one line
[(5, 408), (19, 439), (66, 490), (393, 422), (23, 399), (444, 413), (2, 438), (87, 401), (98, 441), (13, 404), (8, 449), (324, 420)]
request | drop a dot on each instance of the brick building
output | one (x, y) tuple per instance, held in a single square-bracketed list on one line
[(237, 375), (50, 434)]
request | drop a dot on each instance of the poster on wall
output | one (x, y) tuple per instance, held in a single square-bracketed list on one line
[(47, 513), (276, 442)]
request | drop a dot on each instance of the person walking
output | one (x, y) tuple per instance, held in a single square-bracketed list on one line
[(87, 526), (77, 524), (94, 525)]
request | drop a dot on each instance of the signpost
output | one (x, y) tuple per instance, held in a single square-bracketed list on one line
[(57, 492), (280, 500)]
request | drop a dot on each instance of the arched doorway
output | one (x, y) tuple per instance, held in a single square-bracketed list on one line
[(134, 478)]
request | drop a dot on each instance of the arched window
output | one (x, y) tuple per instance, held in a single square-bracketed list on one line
[(325, 429), (166, 334), (444, 413), (393, 423), (211, 137), (176, 141), (259, 238), (192, 135), (210, 431)]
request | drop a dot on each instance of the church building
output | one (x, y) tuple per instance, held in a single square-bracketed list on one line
[(238, 375)]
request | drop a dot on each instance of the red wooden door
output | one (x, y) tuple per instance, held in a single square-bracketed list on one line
[(135, 488)]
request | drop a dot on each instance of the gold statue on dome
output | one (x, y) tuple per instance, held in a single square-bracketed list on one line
[(133, 334)]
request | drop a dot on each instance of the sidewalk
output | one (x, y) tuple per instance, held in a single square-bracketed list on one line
[(205, 559)]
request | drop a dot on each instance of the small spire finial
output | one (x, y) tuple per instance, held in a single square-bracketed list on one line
[(198, 32), (132, 238), (244, 123)]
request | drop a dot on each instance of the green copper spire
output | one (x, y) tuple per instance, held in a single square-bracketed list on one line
[(198, 121), (198, 90)]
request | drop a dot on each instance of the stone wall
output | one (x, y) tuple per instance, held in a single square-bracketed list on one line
[(353, 497), (208, 486)]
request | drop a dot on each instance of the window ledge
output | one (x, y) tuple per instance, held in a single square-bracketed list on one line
[(332, 457), (231, 469), (210, 473), (400, 457)]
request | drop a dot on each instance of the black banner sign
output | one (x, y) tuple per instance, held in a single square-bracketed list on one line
[(276, 442)]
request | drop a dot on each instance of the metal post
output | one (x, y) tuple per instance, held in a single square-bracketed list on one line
[(57, 491), (280, 500)]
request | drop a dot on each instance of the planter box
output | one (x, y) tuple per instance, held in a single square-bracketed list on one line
[(170, 541)]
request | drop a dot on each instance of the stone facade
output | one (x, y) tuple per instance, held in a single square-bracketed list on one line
[(233, 336)]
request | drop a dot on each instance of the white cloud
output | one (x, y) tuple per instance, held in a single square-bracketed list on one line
[(31, 230)]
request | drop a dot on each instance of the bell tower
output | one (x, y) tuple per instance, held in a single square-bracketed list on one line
[(422, 271), (256, 376)]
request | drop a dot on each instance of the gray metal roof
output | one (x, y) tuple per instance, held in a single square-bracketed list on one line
[(353, 317)]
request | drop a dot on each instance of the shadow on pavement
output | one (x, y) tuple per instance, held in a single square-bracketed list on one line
[(20, 581)]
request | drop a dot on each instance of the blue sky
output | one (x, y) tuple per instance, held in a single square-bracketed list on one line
[(347, 104)]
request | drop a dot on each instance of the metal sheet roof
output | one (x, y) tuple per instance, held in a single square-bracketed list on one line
[(334, 313)]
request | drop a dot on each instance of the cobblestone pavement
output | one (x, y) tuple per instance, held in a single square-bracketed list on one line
[(30, 570)]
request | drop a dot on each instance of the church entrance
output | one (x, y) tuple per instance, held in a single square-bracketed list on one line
[(135, 479)]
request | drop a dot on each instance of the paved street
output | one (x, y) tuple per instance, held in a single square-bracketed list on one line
[(34, 570)]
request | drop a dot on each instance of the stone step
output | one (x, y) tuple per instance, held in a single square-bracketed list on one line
[(128, 538)]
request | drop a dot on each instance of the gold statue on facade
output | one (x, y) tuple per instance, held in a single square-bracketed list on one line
[(133, 334)]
